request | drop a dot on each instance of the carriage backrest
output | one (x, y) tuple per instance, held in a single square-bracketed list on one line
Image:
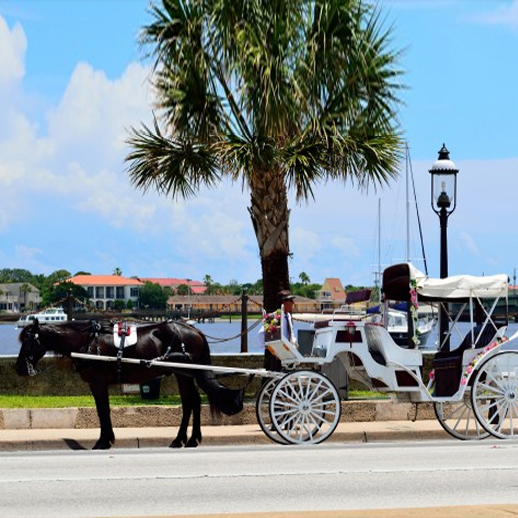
[(385, 351), (480, 337)]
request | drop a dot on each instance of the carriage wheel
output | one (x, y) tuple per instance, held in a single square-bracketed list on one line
[(305, 407), (459, 420), (494, 394), (262, 411)]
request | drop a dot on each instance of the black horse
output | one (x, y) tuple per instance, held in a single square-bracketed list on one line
[(169, 341)]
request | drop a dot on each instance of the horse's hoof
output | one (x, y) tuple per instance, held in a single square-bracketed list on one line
[(177, 443), (101, 445), (192, 443)]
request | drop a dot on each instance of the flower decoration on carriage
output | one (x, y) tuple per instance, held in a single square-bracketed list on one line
[(272, 321), (413, 311), (472, 364)]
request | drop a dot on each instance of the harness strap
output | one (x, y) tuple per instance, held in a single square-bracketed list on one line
[(123, 333), (96, 326)]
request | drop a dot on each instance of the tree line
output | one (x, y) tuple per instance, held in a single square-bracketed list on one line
[(55, 287)]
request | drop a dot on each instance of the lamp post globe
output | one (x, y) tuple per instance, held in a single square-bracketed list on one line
[(444, 201)]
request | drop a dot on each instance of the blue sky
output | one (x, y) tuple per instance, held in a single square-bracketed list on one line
[(72, 80)]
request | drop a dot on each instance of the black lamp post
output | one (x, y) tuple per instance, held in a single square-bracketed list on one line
[(444, 201)]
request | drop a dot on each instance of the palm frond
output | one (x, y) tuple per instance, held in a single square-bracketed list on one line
[(171, 167)]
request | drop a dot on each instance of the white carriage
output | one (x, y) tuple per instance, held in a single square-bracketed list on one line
[(474, 388)]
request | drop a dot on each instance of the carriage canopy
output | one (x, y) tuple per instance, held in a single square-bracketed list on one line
[(400, 279)]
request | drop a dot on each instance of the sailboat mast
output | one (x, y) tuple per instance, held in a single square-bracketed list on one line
[(407, 206), (411, 174)]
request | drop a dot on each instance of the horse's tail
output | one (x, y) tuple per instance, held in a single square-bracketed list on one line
[(222, 399)]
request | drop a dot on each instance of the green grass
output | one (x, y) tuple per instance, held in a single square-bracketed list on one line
[(81, 401), (365, 394), (88, 401)]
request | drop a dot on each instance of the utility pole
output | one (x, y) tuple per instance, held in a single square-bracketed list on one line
[(69, 305), (244, 321)]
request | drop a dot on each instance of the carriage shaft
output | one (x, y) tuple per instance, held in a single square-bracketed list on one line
[(177, 365)]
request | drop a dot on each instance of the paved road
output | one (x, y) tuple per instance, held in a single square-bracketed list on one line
[(265, 479)]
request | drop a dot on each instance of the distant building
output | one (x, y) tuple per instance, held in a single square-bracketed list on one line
[(196, 287), (332, 294), (104, 290), (16, 297), (231, 304)]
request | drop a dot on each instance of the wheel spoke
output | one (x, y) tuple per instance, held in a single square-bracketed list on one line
[(498, 384), (458, 419), (490, 388)]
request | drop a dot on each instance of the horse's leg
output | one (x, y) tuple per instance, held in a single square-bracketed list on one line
[(183, 388), (195, 398), (102, 404)]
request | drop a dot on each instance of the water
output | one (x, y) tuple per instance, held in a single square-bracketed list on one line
[(230, 333), (9, 345), (223, 337)]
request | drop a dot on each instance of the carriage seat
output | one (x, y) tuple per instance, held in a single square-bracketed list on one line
[(448, 365), (487, 336), (385, 351)]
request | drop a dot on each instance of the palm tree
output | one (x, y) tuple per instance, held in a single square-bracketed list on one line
[(304, 278), (274, 94), (25, 288), (207, 280)]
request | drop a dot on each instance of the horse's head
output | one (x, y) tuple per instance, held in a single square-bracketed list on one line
[(31, 351)]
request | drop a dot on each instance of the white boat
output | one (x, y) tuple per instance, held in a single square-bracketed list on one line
[(47, 316), (397, 326)]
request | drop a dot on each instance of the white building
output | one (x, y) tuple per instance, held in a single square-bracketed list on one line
[(18, 296), (104, 290)]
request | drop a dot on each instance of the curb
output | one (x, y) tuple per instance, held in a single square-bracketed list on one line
[(135, 438)]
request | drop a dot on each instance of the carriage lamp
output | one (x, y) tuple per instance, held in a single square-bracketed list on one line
[(351, 331), (444, 200)]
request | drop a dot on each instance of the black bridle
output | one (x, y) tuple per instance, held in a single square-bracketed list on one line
[(33, 339)]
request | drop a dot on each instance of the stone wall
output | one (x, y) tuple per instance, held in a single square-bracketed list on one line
[(158, 416), (57, 377)]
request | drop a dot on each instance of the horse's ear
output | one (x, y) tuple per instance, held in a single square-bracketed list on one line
[(36, 324)]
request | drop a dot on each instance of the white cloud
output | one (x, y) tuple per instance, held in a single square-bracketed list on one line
[(305, 244), (27, 253), (13, 45), (95, 108), (503, 13), (346, 246)]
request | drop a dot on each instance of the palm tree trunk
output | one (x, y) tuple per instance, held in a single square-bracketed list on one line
[(270, 217)]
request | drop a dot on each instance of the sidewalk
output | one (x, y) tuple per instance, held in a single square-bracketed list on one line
[(150, 437), (156, 426)]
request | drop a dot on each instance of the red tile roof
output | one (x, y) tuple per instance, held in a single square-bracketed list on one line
[(104, 280)]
